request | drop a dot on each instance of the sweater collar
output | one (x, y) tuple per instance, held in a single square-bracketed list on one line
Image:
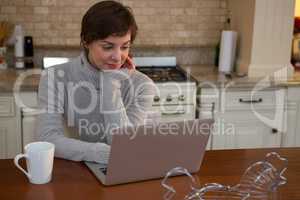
[(94, 74), (87, 64), (87, 69)]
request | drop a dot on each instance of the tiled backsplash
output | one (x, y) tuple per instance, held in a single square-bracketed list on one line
[(161, 22), (184, 55)]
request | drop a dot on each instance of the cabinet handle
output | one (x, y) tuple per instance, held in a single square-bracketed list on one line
[(179, 112), (274, 130), (251, 101)]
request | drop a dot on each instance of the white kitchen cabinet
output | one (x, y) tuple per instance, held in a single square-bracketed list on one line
[(208, 104), (291, 137), (28, 116), (10, 139), (10, 136), (240, 130), (244, 119)]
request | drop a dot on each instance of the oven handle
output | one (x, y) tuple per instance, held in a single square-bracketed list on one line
[(177, 112)]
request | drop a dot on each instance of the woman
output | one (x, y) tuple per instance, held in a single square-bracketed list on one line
[(96, 92)]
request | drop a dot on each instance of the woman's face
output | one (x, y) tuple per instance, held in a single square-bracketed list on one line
[(109, 53)]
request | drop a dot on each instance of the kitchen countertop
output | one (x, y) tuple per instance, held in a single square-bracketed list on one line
[(208, 75), (205, 75), (28, 80)]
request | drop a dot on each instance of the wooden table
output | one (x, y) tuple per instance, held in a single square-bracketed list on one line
[(72, 180)]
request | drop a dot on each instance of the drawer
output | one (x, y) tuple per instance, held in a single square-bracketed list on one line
[(175, 113), (7, 106), (269, 99)]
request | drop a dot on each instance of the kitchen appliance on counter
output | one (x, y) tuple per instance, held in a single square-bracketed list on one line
[(176, 90), (28, 51)]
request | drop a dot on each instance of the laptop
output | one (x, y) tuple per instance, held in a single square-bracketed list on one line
[(149, 151)]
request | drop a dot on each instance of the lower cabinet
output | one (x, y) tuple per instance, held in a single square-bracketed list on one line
[(29, 126), (10, 129), (242, 130), (29, 114), (16, 126), (291, 137), (243, 118), (10, 138)]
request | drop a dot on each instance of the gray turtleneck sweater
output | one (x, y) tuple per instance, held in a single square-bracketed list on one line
[(92, 102)]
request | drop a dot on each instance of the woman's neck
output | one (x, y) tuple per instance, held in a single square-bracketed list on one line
[(89, 60)]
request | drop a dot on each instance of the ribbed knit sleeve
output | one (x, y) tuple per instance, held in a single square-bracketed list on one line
[(50, 125)]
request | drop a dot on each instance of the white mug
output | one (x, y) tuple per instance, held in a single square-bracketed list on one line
[(39, 160)]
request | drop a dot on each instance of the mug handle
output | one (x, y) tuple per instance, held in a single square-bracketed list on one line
[(16, 161)]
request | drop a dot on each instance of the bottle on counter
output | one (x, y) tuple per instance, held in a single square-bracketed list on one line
[(19, 47), (28, 50)]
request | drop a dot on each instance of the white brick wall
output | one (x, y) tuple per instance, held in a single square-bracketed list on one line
[(161, 22)]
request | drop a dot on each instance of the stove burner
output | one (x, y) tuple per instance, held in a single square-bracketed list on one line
[(163, 74)]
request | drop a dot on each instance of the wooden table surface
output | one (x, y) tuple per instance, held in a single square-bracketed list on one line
[(72, 180)]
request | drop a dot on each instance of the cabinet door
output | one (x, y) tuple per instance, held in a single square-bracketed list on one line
[(240, 129), (29, 113), (10, 139), (291, 137), (207, 111), (29, 128), (207, 108)]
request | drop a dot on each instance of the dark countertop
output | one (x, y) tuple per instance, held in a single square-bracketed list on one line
[(73, 180)]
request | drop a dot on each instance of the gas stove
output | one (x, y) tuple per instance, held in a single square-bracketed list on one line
[(176, 90), (161, 69), (164, 74)]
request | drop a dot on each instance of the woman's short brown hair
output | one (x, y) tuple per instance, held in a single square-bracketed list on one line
[(107, 18)]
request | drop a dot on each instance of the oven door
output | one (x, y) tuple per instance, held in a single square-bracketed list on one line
[(171, 113)]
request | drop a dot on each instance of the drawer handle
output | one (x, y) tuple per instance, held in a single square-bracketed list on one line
[(179, 112), (251, 101), (274, 130)]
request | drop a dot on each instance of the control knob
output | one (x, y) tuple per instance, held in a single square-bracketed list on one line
[(181, 97), (156, 99)]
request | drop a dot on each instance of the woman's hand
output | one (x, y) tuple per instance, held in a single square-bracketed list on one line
[(123, 73), (129, 65)]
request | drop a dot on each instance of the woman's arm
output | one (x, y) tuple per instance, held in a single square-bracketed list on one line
[(138, 96), (50, 124)]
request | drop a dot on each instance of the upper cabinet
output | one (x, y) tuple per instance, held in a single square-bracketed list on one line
[(265, 30)]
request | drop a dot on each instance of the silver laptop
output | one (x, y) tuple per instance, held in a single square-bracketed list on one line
[(150, 151)]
